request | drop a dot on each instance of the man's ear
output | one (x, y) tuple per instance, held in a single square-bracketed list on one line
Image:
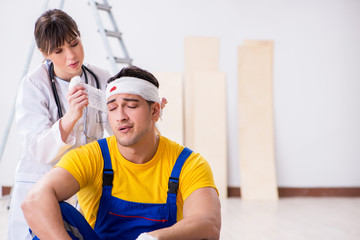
[(155, 110)]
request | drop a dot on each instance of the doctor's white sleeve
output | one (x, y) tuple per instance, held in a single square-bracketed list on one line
[(34, 123)]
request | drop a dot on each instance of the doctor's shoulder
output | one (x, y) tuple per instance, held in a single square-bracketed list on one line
[(37, 78)]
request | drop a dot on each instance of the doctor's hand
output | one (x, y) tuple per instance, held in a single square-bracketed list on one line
[(77, 100), (163, 103)]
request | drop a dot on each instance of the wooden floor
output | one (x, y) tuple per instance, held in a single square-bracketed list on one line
[(287, 219)]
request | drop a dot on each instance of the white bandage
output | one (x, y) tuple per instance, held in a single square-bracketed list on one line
[(132, 85), (96, 96), (145, 236), (137, 86)]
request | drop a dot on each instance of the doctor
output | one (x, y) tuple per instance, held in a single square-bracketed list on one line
[(50, 118)]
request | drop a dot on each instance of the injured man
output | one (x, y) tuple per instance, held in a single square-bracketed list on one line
[(135, 184)]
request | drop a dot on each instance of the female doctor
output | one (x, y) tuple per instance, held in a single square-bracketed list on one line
[(51, 119)]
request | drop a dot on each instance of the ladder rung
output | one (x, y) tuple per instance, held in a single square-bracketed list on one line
[(104, 7), (123, 60), (113, 34)]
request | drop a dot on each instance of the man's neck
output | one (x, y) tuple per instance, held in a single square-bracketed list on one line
[(142, 152)]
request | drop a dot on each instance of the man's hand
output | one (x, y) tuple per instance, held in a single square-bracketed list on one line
[(146, 236), (41, 205)]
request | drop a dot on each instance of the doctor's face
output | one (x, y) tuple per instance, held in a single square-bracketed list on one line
[(132, 119), (68, 59)]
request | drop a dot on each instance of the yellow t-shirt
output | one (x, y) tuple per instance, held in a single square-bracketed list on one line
[(144, 183)]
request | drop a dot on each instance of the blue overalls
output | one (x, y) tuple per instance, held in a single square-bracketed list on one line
[(120, 219)]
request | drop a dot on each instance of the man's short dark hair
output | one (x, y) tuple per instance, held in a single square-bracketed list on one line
[(133, 71)]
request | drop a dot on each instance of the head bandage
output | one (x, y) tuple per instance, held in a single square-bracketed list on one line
[(136, 86), (132, 85)]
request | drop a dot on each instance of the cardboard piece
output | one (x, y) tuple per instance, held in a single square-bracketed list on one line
[(256, 121)]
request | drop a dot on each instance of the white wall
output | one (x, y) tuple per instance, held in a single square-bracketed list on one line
[(316, 70)]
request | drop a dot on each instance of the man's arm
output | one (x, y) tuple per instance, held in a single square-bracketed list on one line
[(202, 218), (41, 205)]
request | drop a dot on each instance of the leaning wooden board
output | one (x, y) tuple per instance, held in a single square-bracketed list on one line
[(256, 121), (201, 54), (171, 124), (209, 121)]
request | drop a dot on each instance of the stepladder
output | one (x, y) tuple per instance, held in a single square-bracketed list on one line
[(112, 38)]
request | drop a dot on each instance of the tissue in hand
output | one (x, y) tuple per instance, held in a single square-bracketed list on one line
[(96, 96)]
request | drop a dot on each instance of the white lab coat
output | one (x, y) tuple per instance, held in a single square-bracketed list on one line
[(37, 124)]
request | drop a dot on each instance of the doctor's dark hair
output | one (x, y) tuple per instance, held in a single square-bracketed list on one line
[(133, 71), (53, 29)]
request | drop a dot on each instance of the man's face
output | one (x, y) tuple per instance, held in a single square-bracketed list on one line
[(131, 118)]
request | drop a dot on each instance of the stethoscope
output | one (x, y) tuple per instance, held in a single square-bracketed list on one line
[(56, 95)]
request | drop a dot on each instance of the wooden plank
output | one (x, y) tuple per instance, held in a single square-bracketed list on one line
[(171, 124), (201, 54), (209, 132), (256, 124)]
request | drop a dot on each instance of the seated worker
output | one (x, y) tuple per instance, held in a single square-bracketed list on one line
[(135, 184)]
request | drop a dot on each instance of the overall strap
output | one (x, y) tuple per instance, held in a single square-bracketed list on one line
[(174, 177), (108, 175)]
